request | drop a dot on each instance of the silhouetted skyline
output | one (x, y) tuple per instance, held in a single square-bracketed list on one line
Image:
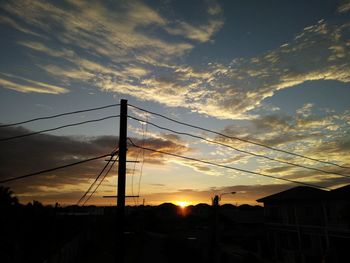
[(274, 73)]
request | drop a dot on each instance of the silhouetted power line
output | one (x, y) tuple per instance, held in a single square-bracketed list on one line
[(98, 176), (143, 159), (225, 166), (58, 115), (109, 169), (240, 139), (57, 128), (240, 150), (53, 169), (133, 174)]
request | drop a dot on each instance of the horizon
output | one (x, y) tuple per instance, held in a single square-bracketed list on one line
[(223, 97)]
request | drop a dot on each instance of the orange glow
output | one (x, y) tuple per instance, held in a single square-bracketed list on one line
[(183, 210), (182, 204)]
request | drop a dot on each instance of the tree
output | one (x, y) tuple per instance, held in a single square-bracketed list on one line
[(7, 197)]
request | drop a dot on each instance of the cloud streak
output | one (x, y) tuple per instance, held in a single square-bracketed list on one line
[(25, 85)]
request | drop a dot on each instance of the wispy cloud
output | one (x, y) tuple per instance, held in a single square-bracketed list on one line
[(25, 85), (202, 33), (279, 129), (14, 24), (134, 49), (344, 6), (324, 137), (320, 52)]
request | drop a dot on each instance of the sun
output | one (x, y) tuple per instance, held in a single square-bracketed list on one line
[(182, 204)]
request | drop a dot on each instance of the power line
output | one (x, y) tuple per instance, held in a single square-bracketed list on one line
[(240, 139), (132, 176), (143, 159), (53, 169), (58, 115), (98, 176), (239, 150), (133, 171), (109, 169), (57, 128), (225, 166)]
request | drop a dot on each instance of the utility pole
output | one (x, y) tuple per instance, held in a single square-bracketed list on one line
[(121, 180)]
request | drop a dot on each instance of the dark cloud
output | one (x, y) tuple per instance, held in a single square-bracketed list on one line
[(279, 169), (159, 144), (44, 151), (270, 122)]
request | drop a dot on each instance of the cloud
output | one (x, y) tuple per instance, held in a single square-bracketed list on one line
[(98, 30), (135, 49), (158, 144), (25, 85), (344, 7), (199, 32), (38, 46), (214, 8), (14, 24), (280, 129), (115, 48), (202, 33), (44, 151), (319, 52), (320, 136)]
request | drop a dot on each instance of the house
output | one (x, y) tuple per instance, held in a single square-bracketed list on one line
[(306, 224)]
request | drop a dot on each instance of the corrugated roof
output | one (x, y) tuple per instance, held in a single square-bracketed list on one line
[(341, 192), (296, 193)]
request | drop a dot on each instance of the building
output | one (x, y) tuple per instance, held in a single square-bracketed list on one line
[(305, 224)]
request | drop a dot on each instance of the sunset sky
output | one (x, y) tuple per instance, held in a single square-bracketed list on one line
[(274, 72)]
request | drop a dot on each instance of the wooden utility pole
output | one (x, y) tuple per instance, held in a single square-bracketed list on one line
[(121, 180)]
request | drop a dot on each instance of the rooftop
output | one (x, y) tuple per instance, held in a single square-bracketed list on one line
[(302, 193)]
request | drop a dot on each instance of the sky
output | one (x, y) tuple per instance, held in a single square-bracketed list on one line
[(273, 72)]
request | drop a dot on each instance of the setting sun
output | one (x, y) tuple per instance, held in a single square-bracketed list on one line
[(182, 204)]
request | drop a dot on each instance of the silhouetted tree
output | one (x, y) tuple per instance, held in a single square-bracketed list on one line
[(7, 197), (36, 204)]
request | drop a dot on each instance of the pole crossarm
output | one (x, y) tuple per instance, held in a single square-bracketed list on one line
[(115, 196)]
